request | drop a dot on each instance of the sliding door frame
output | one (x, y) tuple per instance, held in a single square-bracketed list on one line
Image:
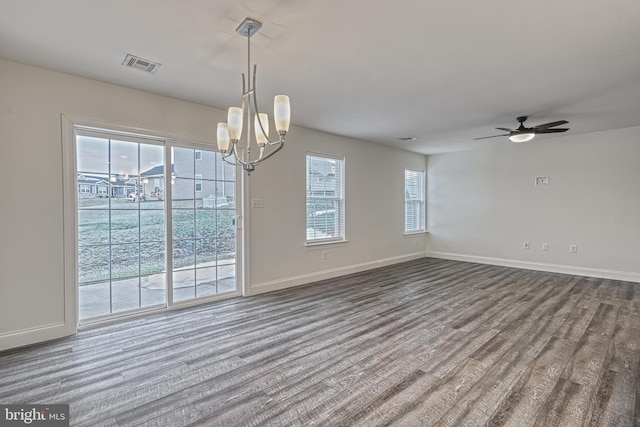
[(70, 219)]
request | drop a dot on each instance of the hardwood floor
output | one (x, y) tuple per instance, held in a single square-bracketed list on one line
[(428, 342)]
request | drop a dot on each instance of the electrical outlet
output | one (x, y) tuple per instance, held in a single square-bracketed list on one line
[(545, 246), (573, 249), (525, 245), (324, 254)]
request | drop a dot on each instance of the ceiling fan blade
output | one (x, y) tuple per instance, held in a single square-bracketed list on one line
[(494, 136), (505, 129), (550, 125), (551, 130)]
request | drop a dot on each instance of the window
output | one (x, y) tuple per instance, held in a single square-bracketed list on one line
[(198, 155), (325, 199), (198, 180), (414, 201)]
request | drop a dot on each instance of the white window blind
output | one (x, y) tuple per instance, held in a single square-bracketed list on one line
[(414, 206), (325, 199)]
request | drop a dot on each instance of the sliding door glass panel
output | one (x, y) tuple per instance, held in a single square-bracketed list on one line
[(121, 227), (203, 222), (184, 285), (183, 223), (92, 154), (206, 282)]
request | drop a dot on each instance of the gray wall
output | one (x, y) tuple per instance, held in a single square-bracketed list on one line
[(483, 204), (374, 199)]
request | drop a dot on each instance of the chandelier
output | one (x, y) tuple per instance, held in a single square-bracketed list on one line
[(229, 133)]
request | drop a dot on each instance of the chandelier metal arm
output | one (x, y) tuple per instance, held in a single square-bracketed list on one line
[(257, 112), (236, 155), (230, 153), (273, 151), (248, 164)]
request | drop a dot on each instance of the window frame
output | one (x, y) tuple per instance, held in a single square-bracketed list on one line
[(419, 201), (340, 199)]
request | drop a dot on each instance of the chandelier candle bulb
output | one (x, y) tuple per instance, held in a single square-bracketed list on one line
[(262, 133), (234, 123), (223, 137), (282, 113)]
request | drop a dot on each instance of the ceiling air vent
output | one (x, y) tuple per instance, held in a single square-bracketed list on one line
[(140, 64)]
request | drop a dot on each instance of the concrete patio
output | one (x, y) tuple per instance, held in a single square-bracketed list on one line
[(104, 298)]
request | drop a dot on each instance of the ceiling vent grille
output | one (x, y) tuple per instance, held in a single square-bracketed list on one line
[(140, 64)]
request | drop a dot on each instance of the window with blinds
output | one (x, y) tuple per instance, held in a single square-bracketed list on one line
[(325, 199), (414, 196)]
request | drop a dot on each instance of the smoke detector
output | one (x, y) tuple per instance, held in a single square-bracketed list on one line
[(138, 63)]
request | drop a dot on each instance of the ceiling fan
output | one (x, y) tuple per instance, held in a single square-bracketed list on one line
[(523, 134)]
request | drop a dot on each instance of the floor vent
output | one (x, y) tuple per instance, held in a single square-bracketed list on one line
[(140, 64)]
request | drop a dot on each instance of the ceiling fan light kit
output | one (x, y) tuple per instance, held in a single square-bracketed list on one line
[(521, 137), (229, 133), (524, 134)]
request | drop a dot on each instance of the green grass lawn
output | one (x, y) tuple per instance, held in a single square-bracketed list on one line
[(129, 239)]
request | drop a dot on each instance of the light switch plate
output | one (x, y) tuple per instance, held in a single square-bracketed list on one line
[(542, 180)]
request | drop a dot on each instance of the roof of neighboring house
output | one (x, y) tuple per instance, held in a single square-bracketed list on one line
[(92, 179), (156, 170)]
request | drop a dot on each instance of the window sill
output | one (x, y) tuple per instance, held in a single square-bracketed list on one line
[(415, 233), (317, 245)]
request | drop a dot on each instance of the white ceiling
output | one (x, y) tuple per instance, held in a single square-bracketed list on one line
[(442, 71)]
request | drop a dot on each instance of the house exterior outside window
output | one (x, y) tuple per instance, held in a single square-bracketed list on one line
[(414, 202), (325, 199)]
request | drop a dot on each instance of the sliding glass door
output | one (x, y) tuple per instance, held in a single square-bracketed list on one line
[(203, 214), (132, 207)]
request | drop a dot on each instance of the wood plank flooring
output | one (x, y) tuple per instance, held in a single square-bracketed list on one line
[(428, 342)]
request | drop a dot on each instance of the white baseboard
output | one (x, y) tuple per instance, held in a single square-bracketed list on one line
[(553, 268), (288, 282), (24, 337)]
